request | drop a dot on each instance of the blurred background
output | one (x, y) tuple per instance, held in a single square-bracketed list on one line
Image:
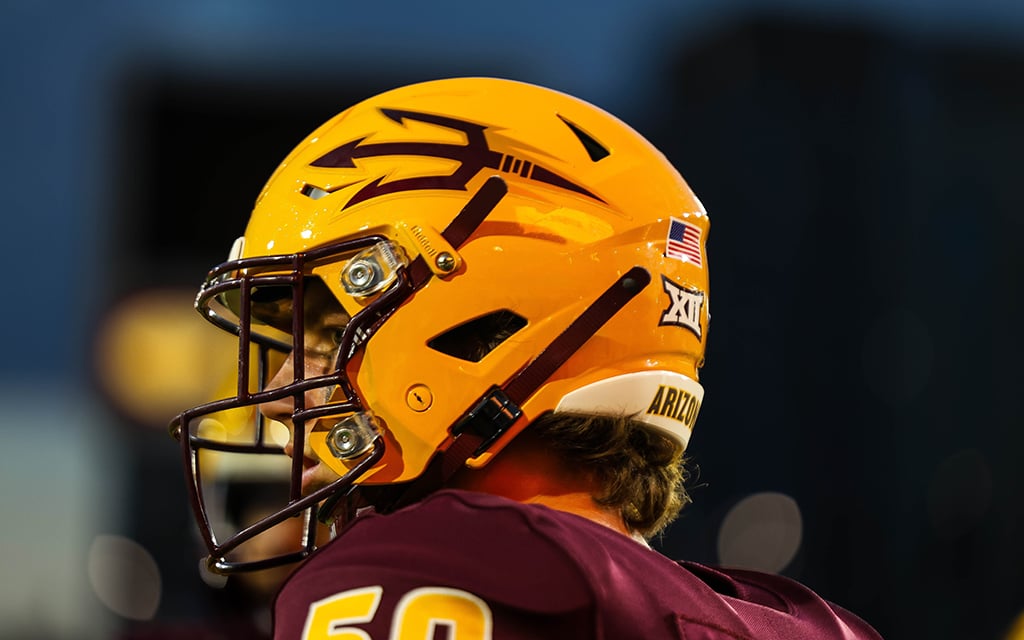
[(861, 162)]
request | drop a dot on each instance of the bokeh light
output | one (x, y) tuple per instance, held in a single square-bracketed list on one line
[(125, 577), (155, 356), (762, 532)]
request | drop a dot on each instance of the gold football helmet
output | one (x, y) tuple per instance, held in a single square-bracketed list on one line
[(497, 251)]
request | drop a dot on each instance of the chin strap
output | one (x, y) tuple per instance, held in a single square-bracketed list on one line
[(500, 408)]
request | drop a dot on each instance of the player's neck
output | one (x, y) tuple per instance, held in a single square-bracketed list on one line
[(530, 474), (581, 504)]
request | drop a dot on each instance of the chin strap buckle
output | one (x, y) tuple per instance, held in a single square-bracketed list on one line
[(490, 417)]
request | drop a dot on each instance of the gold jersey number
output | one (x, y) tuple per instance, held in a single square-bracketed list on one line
[(416, 617)]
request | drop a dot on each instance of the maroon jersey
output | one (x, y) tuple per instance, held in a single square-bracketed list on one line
[(470, 566)]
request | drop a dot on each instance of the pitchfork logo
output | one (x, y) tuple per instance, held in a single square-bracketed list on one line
[(684, 306), (471, 157)]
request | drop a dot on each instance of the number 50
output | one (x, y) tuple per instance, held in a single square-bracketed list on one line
[(416, 616)]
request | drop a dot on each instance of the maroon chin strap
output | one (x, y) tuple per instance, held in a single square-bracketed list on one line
[(498, 409)]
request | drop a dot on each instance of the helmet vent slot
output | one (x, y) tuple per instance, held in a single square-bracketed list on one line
[(473, 340), (595, 149), (314, 192)]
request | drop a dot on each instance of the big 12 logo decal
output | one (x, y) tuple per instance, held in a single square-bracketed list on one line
[(684, 306)]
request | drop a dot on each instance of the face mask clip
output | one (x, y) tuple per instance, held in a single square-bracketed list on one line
[(372, 270), (352, 437)]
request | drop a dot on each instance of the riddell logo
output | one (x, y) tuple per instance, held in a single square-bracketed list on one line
[(472, 157)]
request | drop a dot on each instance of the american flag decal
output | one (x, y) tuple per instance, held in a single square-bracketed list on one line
[(684, 242)]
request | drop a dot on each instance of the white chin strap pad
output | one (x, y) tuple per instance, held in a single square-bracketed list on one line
[(666, 400)]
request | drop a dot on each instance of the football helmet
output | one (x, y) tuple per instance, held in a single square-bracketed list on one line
[(496, 250)]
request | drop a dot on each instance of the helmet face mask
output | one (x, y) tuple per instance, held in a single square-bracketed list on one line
[(488, 252), (291, 320), (285, 322)]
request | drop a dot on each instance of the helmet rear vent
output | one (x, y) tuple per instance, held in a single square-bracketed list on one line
[(595, 149), (473, 340)]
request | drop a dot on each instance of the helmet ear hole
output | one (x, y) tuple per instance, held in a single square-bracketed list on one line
[(473, 340)]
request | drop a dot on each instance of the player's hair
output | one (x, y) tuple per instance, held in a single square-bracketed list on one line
[(641, 472)]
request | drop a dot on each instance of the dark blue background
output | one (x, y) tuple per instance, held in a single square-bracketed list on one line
[(860, 161)]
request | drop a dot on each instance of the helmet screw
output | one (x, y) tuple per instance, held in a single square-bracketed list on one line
[(419, 397), (359, 276), (352, 437), (445, 261), (343, 441)]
